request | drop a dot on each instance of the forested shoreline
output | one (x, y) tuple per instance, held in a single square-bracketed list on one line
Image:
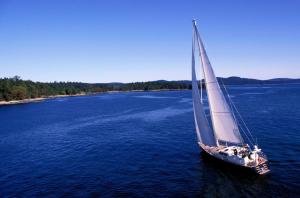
[(17, 89)]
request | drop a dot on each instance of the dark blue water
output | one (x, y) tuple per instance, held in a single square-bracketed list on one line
[(143, 144)]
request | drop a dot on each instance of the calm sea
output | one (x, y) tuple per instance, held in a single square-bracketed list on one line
[(143, 145)]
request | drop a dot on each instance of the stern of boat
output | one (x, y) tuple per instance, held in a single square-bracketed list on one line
[(261, 164), (262, 168)]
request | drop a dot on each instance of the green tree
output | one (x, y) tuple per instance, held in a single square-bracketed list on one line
[(19, 92)]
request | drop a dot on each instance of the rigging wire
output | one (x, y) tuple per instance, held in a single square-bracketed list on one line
[(233, 107), (232, 112)]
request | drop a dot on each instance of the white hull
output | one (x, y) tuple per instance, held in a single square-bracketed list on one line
[(258, 165)]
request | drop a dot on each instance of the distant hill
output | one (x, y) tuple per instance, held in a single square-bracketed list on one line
[(233, 80), (243, 81)]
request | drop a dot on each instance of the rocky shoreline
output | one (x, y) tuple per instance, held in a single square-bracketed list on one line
[(31, 100)]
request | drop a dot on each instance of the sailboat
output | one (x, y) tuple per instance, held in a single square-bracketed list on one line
[(219, 133)]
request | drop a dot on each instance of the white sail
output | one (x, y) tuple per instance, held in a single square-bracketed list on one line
[(224, 124), (203, 130)]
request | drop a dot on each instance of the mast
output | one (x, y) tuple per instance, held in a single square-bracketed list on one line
[(224, 125)]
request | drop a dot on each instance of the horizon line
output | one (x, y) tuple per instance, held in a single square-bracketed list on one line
[(145, 81)]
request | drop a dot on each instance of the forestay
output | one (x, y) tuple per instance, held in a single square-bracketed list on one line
[(224, 125), (203, 130)]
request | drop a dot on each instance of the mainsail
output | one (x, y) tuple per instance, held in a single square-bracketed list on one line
[(203, 130), (224, 125)]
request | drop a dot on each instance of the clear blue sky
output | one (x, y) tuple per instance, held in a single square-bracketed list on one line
[(127, 40)]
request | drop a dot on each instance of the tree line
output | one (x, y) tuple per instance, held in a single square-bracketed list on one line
[(17, 89)]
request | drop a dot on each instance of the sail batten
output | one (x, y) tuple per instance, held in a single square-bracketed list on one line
[(224, 125)]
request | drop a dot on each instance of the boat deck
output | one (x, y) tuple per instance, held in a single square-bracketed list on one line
[(261, 167)]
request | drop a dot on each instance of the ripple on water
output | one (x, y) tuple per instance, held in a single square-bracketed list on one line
[(142, 144)]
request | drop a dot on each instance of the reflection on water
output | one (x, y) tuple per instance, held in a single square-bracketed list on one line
[(230, 181)]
